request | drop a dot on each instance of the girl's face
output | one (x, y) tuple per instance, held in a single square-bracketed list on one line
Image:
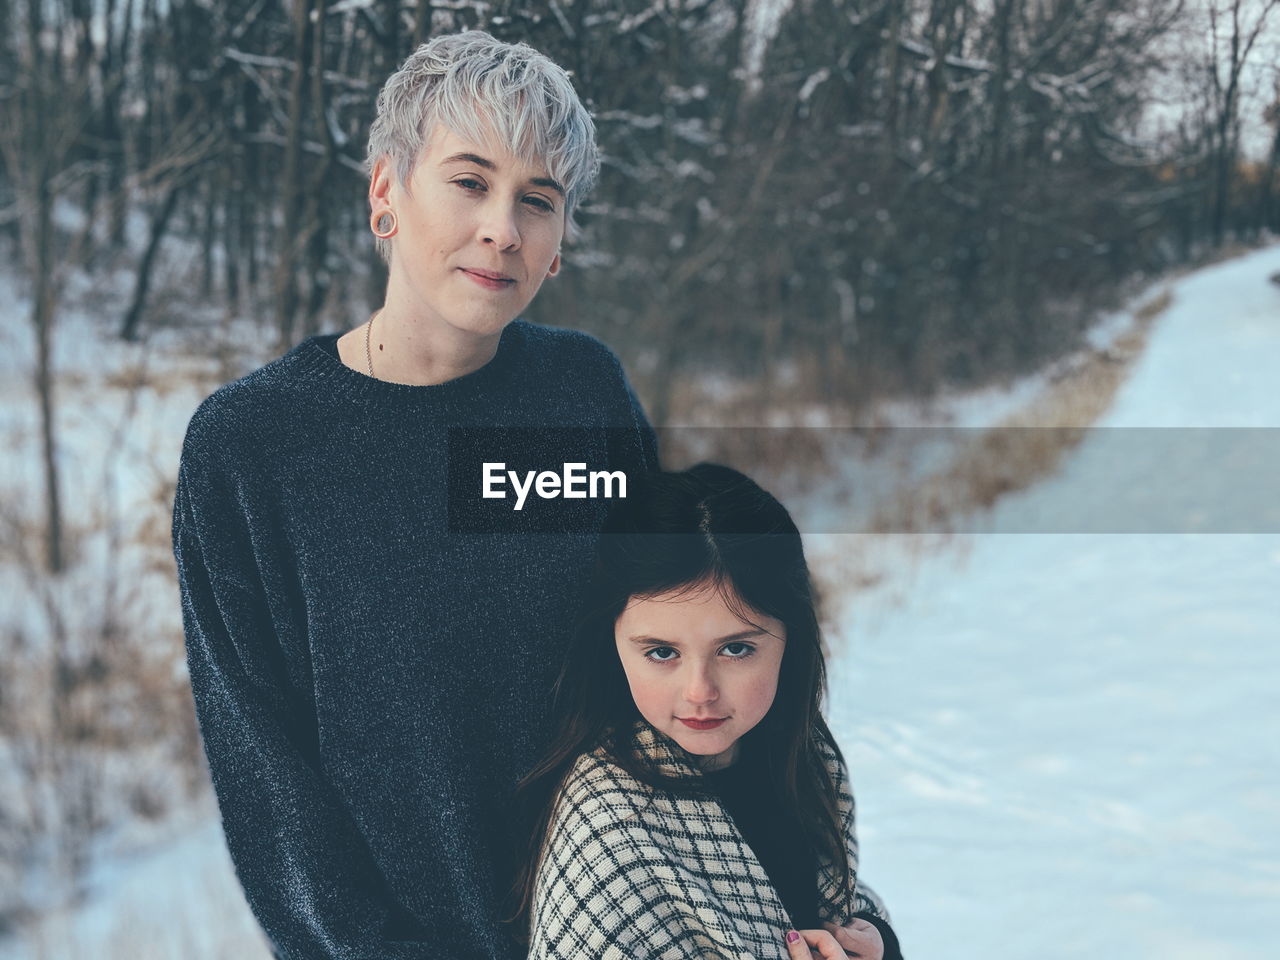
[(689, 658)]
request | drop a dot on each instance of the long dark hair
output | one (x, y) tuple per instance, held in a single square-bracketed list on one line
[(709, 525)]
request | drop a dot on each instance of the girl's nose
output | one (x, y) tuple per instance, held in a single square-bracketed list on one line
[(701, 687)]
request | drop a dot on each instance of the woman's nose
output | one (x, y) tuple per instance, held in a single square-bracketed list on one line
[(499, 228)]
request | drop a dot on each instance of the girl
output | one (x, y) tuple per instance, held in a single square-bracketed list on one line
[(693, 803)]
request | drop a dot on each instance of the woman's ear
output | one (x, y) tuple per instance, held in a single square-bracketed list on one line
[(555, 265), (381, 179)]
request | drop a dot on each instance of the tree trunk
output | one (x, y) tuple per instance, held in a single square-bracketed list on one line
[(1269, 209), (42, 318), (892, 89), (943, 35), (317, 220), (159, 224), (208, 241), (293, 178)]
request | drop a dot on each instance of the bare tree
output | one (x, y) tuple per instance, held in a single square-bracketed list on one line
[(43, 119), (308, 21), (1268, 207), (1234, 30)]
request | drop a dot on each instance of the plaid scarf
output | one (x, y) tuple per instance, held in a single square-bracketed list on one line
[(630, 872)]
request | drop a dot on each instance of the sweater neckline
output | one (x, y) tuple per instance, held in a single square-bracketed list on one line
[(315, 360)]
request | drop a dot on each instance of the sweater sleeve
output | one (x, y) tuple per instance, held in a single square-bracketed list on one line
[(607, 888), (611, 894), (307, 873), (892, 950)]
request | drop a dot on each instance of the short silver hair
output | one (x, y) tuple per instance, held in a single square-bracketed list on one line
[(473, 83)]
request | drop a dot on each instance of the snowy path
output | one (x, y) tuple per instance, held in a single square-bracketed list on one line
[(1066, 745)]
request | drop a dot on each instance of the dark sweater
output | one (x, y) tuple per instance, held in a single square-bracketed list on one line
[(372, 677)]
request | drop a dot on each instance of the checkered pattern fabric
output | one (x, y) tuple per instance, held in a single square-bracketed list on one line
[(635, 873)]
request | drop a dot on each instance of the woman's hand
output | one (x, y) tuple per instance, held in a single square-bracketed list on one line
[(857, 939)]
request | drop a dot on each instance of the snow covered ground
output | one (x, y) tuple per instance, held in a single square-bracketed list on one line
[(1068, 745), (1063, 744), (180, 901)]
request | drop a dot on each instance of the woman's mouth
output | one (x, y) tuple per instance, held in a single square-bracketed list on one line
[(488, 279), (702, 724)]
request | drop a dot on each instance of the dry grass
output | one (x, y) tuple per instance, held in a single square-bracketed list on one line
[(1026, 447), (1030, 444)]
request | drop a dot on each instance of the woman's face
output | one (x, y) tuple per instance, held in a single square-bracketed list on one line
[(688, 657), (478, 232)]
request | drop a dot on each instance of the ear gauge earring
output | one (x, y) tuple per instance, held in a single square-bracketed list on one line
[(376, 221)]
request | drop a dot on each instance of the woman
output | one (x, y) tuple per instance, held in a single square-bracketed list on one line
[(693, 803), (369, 645)]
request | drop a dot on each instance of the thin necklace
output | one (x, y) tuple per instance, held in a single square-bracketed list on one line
[(368, 352)]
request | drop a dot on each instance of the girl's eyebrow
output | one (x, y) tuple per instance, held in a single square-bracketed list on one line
[(480, 161), (742, 635)]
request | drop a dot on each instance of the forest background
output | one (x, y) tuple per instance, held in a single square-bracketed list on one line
[(833, 202)]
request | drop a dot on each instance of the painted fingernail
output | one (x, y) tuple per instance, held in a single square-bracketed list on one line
[(792, 936)]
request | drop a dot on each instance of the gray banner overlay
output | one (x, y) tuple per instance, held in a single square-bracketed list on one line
[(925, 480)]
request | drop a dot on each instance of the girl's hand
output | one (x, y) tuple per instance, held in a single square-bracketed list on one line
[(813, 945), (858, 939)]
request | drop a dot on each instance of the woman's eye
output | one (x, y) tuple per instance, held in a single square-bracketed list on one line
[(472, 185), (743, 650), (651, 655)]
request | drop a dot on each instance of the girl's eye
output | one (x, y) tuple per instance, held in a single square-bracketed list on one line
[(540, 204), (744, 650), (469, 183), (649, 655)]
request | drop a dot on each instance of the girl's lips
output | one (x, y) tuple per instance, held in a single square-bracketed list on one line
[(702, 724), (488, 281)]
